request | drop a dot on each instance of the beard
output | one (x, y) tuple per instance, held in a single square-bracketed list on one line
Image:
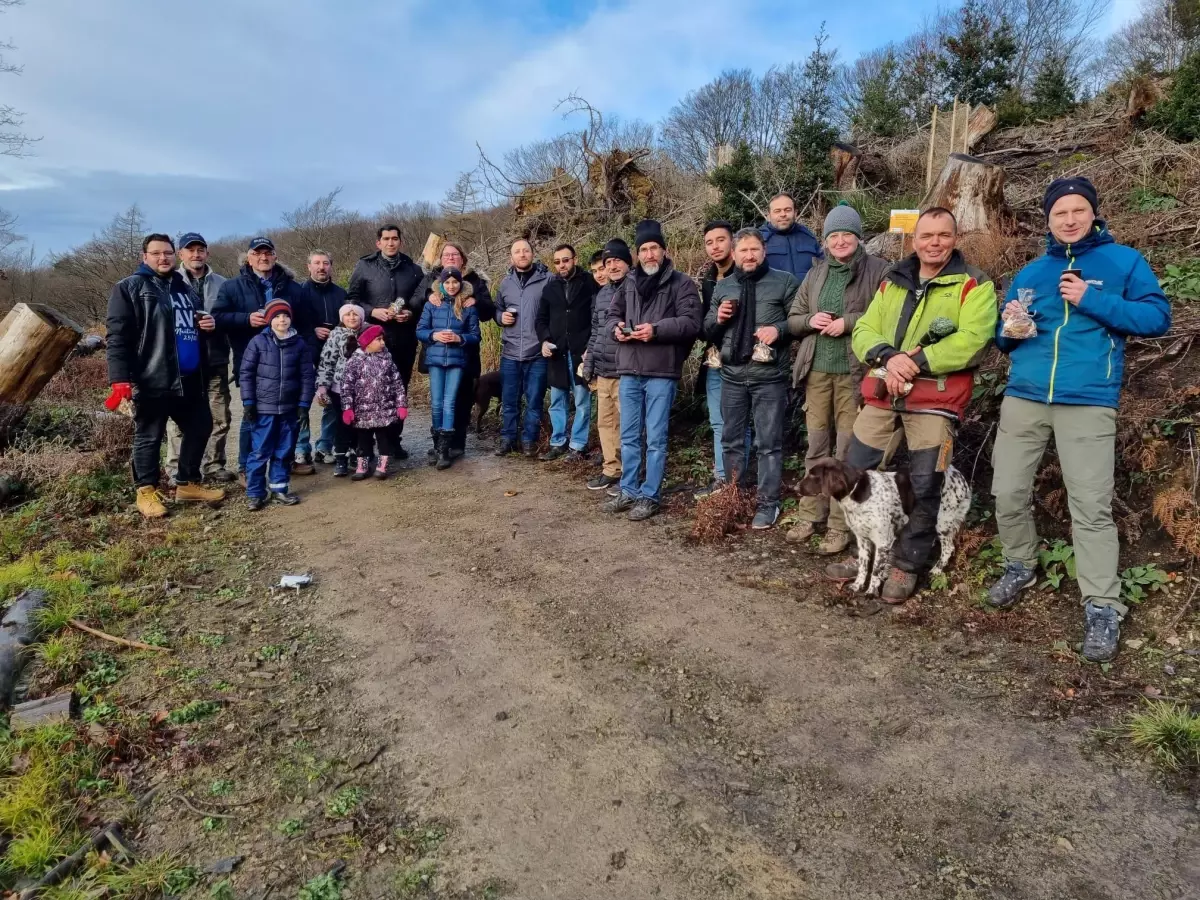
[(651, 268)]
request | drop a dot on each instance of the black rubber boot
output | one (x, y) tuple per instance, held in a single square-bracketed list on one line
[(444, 449), (432, 452)]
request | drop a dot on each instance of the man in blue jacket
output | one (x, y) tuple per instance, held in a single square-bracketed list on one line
[(1086, 295), (523, 369), (790, 246), (240, 312)]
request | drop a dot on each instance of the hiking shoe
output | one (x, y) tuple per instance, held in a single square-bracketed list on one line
[(284, 498), (614, 490), (833, 543), (619, 503), (381, 471), (506, 448), (529, 451), (846, 570), (300, 467), (400, 454), (198, 493), (709, 489), (254, 504), (576, 456), (360, 470), (340, 466), (150, 502), (600, 482), (1101, 632), (900, 585), (221, 476), (643, 510), (765, 517), (1017, 576), (324, 457), (800, 533), (552, 454)]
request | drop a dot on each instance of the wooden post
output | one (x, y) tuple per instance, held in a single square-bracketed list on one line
[(34, 342), (432, 254), (953, 127), (932, 144)]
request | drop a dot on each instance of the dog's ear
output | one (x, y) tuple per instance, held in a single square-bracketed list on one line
[(859, 484), (833, 479), (908, 498)]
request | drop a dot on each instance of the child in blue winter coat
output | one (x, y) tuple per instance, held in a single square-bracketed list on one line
[(448, 323), (277, 380)]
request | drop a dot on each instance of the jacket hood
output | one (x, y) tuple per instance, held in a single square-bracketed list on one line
[(1098, 237), (466, 292), (173, 276), (907, 272)]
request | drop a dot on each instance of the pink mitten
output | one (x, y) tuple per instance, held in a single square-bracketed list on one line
[(348, 416), (402, 413)]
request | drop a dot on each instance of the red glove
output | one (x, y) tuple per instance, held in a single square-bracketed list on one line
[(348, 416), (122, 390), (402, 413)]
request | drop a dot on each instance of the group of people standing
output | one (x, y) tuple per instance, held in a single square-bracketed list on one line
[(885, 352)]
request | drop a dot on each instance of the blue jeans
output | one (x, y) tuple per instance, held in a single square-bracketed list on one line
[(522, 379), (645, 402), (443, 393), (273, 444), (712, 387), (558, 412), (329, 420)]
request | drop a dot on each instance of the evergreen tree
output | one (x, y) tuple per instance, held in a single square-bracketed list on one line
[(1179, 113), (738, 189), (1053, 89), (977, 63), (881, 109), (803, 165)]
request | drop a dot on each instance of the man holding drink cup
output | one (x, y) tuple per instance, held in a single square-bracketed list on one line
[(523, 369)]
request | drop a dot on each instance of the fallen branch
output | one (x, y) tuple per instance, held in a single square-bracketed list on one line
[(203, 812), (137, 645)]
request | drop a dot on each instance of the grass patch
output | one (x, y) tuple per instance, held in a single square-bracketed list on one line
[(344, 802), (290, 827), (323, 887), (1168, 734), (196, 711), (416, 881)]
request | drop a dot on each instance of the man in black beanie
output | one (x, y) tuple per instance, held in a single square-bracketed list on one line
[(655, 318)]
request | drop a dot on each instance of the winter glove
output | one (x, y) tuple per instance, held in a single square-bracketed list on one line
[(348, 417), (402, 413), (250, 411), (122, 390)]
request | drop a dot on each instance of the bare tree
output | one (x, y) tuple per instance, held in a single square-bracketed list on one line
[(1153, 43), (89, 271), (13, 141), (708, 118), (1050, 29)]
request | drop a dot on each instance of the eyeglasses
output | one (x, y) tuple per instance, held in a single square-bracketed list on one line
[(565, 259), (157, 253)]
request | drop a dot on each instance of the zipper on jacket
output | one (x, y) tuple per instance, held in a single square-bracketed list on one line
[(1111, 346), (1066, 319)]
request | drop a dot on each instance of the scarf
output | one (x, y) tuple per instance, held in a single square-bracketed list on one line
[(746, 317), (829, 354), (647, 285), (391, 262)]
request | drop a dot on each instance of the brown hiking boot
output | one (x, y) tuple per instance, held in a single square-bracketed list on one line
[(900, 585), (800, 533), (834, 542), (198, 493), (150, 502), (846, 570)]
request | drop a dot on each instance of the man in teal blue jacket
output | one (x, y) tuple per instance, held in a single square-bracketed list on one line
[(1086, 295)]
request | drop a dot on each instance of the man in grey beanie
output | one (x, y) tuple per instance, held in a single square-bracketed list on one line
[(834, 293)]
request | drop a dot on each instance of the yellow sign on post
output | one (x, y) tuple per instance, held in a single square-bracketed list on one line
[(903, 221)]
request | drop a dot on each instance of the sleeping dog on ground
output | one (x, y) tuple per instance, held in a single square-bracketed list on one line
[(877, 506), (487, 389)]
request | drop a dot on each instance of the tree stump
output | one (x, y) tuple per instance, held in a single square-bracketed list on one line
[(974, 191), (844, 158), (432, 254), (980, 124), (34, 343)]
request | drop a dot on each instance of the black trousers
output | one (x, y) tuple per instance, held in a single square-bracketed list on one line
[(190, 413), (403, 348), (464, 403), (389, 439)]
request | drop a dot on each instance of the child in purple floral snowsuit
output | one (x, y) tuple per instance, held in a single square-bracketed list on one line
[(373, 400)]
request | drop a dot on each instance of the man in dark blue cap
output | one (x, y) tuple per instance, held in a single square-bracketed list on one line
[(240, 311), (194, 267), (1086, 295)]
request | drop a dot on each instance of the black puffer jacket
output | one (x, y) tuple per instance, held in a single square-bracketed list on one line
[(602, 348), (245, 294), (484, 308), (673, 310), (141, 333), (318, 308), (374, 284), (564, 318)]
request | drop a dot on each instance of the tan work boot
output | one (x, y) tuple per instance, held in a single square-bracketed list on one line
[(198, 493), (833, 542), (800, 533), (149, 502)]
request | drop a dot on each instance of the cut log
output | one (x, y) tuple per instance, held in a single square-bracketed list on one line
[(34, 342), (1143, 94), (432, 254), (974, 191), (981, 123), (46, 711), (844, 158)]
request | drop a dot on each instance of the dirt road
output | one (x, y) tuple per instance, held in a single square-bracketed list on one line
[(600, 711)]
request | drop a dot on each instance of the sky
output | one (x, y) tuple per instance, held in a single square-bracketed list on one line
[(219, 116)]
